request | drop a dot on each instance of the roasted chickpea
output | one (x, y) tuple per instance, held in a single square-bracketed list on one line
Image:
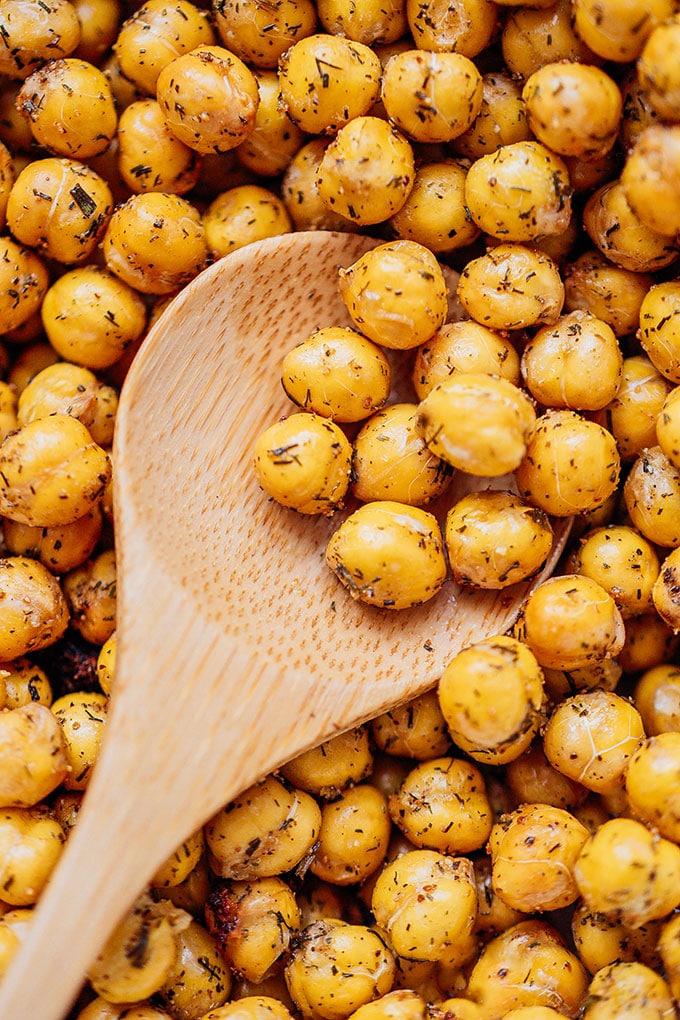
[(33, 610), (629, 873), (31, 843), (327, 80), (649, 642), (245, 213), (33, 35), (657, 698), (501, 119), (83, 719), (656, 71), (622, 236), (106, 662), (29, 361), (668, 950), (651, 175), (465, 26), (395, 294), (659, 332), (198, 979), (600, 941), (150, 157), (533, 852), (617, 31), (274, 140), (367, 172), (431, 96), (33, 758), (264, 832), (531, 779), (24, 683), (464, 346), (90, 591), (388, 554), (65, 388), (156, 33), (668, 427), (100, 1009), (416, 729), (60, 548), (261, 35), (391, 461), (651, 492), (332, 766), (61, 207), (300, 191), (651, 784), (630, 986), (354, 836), (427, 903), (520, 192), (634, 412), (180, 863), (623, 562), (337, 373), (24, 279), (511, 287), (435, 214), (303, 462), (610, 293)]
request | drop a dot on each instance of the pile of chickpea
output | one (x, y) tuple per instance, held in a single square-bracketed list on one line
[(507, 846)]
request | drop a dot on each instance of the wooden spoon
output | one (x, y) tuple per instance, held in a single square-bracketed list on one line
[(237, 647)]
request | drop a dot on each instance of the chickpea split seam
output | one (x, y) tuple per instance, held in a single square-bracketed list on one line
[(506, 845)]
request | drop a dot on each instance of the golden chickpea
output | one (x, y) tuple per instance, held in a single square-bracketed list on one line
[(501, 120), (303, 462), (374, 23), (60, 548), (478, 423), (366, 173), (400, 1004), (300, 191), (657, 72), (65, 388), (634, 412), (546, 477), (649, 642), (33, 610), (531, 779), (511, 287), (31, 843), (99, 22), (336, 967), (533, 852), (8, 410), (464, 346), (591, 737), (150, 157), (427, 903), (261, 35), (253, 923), (14, 926), (198, 979), (431, 96), (245, 213), (327, 80), (527, 965), (106, 662), (600, 941), (651, 492), (82, 717), (333, 766), (354, 836), (665, 591), (435, 214), (156, 33), (651, 784), (534, 36), (388, 554), (264, 832), (100, 1009), (610, 293), (391, 461), (337, 373), (668, 950), (416, 729), (668, 427), (30, 360), (628, 986), (657, 698), (181, 862), (491, 696), (615, 30), (619, 234), (25, 683), (659, 332), (209, 98), (32, 34), (520, 192), (465, 26), (493, 915), (24, 279), (651, 176), (622, 561), (396, 294), (274, 140), (90, 591), (33, 759)]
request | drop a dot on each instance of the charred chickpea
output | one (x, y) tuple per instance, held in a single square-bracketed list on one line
[(430, 96), (478, 423), (435, 214), (501, 119), (629, 873), (591, 737), (546, 475), (427, 903), (70, 107), (31, 843), (600, 941), (33, 757), (33, 611), (464, 346), (388, 554), (24, 279), (374, 23), (659, 332), (156, 33), (245, 213), (25, 683), (511, 286), (303, 462), (531, 779), (465, 26), (396, 294), (327, 80), (575, 363), (573, 108), (337, 373), (367, 171), (634, 412), (621, 236), (300, 191), (491, 697), (533, 852), (198, 979), (253, 923), (82, 716), (264, 832), (615, 30), (150, 157), (520, 192), (657, 72), (391, 461), (333, 766), (209, 98), (657, 698), (61, 207), (628, 986), (155, 243), (622, 561), (612, 294), (337, 967), (528, 964), (416, 729), (442, 805), (261, 35), (651, 178), (651, 784), (33, 34), (651, 493), (274, 140), (354, 836)]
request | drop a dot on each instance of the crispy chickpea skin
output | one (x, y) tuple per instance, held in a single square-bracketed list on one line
[(24, 279), (32, 35), (430, 96), (240, 215), (33, 610), (511, 286), (33, 760), (659, 332), (435, 214), (333, 766), (464, 346), (354, 836), (651, 493), (261, 35), (622, 561)]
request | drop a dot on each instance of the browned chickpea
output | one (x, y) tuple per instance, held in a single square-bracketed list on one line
[(33, 33), (90, 591)]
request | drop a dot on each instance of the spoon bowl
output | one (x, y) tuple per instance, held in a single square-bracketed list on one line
[(237, 648)]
